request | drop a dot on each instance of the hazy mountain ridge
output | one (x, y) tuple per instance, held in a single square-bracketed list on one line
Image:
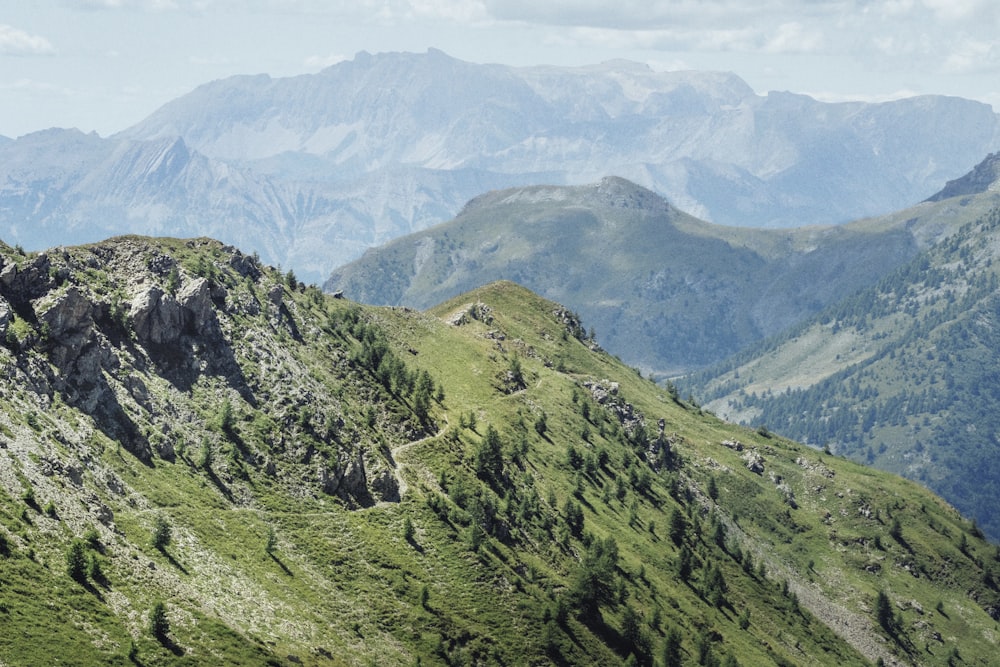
[(314, 169), (206, 461), (985, 176), (678, 133), (665, 291), (80, 188)]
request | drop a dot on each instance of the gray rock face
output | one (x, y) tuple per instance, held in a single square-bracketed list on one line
[(70, 324), (195, 300), (755, 462), (161, 319), (6, 317), (156, 317), (26, 281)]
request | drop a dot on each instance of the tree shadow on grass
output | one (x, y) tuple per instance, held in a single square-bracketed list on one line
[(167, 642), (93, 590), (219, 484), (415, 545), (283, 567), (173, 561)]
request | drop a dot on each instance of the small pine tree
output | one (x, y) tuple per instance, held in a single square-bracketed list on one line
[(896, 529), (678, 526), (76, 561), (205, 459), (883, 613), (541, 424), (173, 280), (408, 530), (94, 569), (159, 624), (684, 563), (28, 495), (162, 533), (225, 419), (271, 541), (672, 654), (425, 595), (713, 489), (631, 627), (489, 455)]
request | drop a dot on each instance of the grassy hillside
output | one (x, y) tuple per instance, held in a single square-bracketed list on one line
[(203, 461), (902, 375)]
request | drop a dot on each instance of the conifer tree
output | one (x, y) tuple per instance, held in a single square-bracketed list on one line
[(76, 561), (159, 624), (162, 533)]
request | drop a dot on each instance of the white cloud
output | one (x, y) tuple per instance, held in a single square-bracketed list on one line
[(970, 56), (153, 5), (963, 10), (793, 37), (14, 42)]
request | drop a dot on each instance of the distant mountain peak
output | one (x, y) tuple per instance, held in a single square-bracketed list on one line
[(619, 192), (610, 192), (983, 177)]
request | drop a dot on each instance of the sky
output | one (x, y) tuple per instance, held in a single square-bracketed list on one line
[(103, 65)]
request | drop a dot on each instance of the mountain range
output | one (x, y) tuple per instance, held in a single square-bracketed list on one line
[(205, 461), (309, 171), (669, 293)]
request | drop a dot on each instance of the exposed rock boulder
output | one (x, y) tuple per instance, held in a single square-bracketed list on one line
[(198, 313), (69, 319), (156, 317), (355, 482), (161, 319), (735, 445), (385, 486), (28, 281), (6, 317), (248, 267), (755, 462)]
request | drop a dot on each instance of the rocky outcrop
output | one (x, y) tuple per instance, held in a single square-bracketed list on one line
[(161, 319), (156, 317), (606, 395), (755, 462), (352, 480), (69, 321), (28, 280), (6, 317), (149, 339), (984, 176)]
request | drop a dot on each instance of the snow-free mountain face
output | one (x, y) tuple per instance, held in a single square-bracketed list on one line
[(310, 171), (703, 139), (666, 292)]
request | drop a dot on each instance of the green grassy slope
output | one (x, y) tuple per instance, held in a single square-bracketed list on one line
[(508, 494), (902, 375)]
